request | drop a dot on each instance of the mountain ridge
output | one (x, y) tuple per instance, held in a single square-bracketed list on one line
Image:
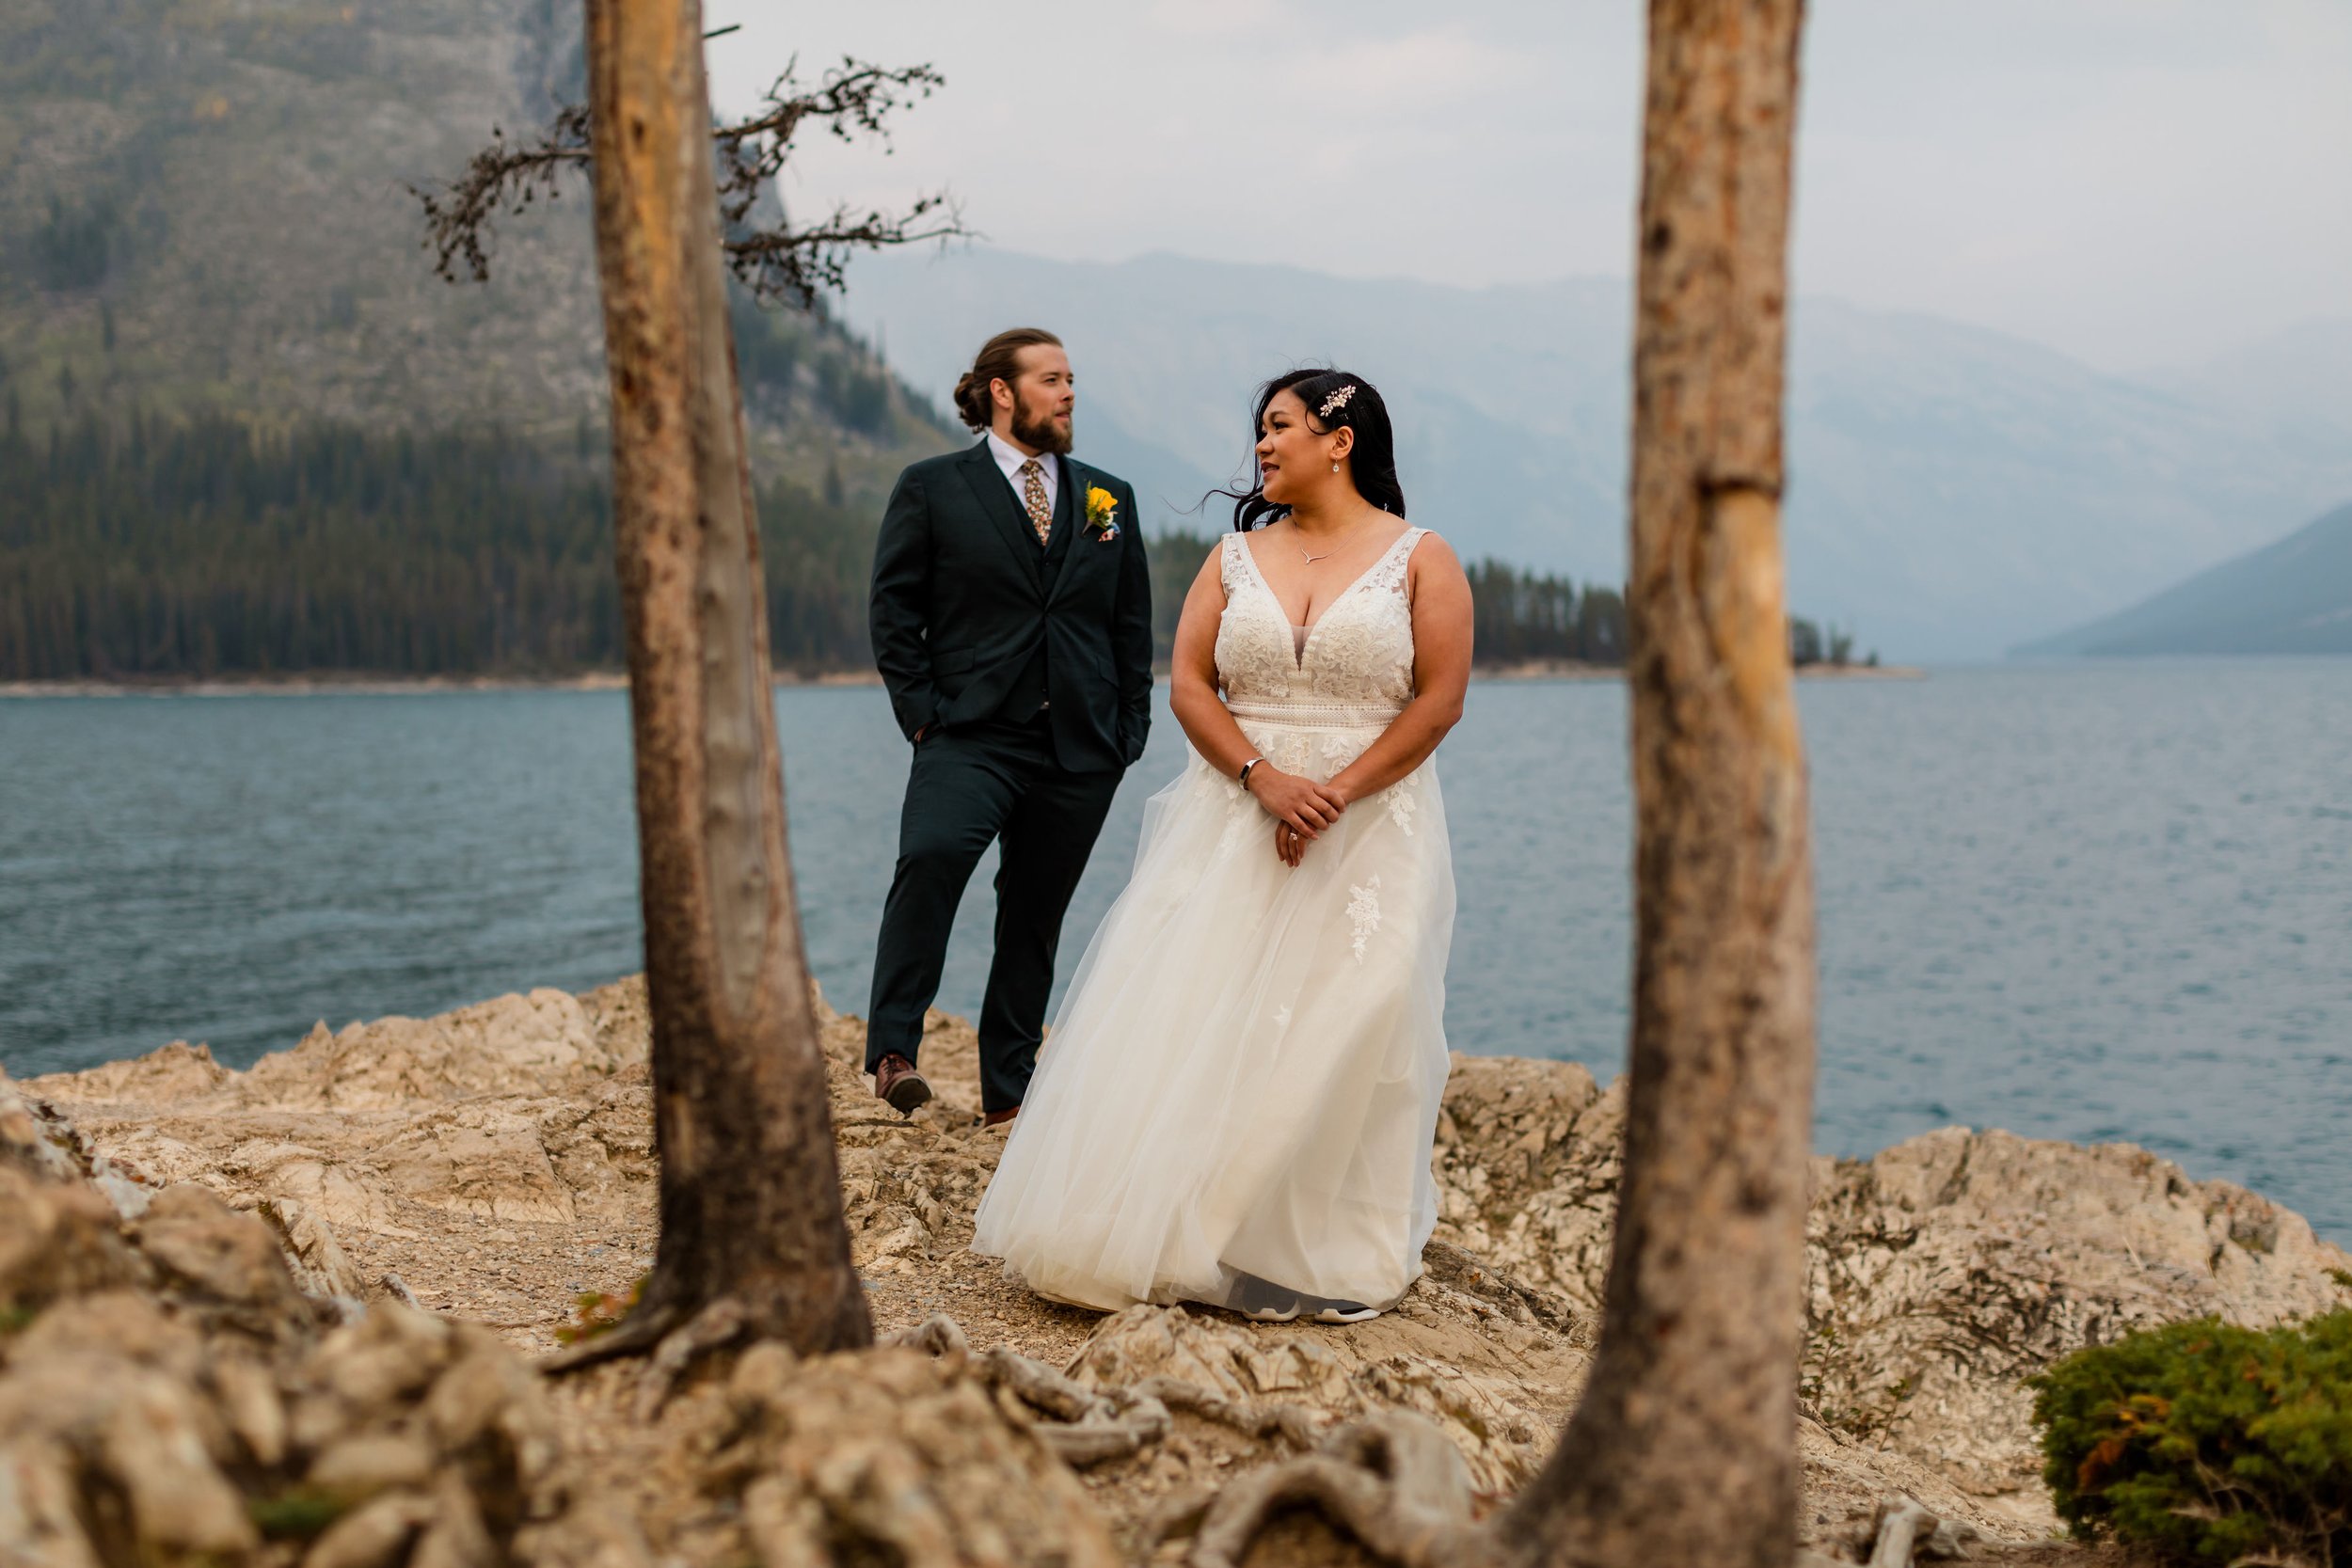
[(2293, 595), (202, 211), (1953, 490)]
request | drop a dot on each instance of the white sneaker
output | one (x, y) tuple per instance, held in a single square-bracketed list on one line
[(1346, 1312)]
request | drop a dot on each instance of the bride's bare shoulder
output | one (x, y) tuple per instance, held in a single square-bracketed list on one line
[(1431, 552), (1432, 564)]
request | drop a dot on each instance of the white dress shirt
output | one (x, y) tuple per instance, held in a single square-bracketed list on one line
[(1010, 458)]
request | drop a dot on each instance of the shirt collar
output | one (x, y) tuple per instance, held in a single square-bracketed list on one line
[(1010, 457)]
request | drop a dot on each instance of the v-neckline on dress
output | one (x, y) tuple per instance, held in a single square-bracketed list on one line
[(1299, 645)]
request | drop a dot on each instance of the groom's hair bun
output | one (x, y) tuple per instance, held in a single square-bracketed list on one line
[(999, 359)]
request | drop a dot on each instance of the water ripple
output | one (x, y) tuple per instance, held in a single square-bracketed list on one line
[(2090, 902)]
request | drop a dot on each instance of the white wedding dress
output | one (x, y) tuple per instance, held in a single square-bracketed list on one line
[(1241, 1089)]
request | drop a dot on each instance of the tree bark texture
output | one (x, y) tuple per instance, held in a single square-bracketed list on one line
[(1683, 1449), (750, 1188)]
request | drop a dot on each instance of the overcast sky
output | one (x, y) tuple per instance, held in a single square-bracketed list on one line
[(2139, 183)]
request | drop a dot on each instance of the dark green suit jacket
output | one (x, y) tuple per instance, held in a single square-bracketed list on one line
[(964, 602)]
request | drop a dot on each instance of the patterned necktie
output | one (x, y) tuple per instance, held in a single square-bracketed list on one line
[(1033, 493)]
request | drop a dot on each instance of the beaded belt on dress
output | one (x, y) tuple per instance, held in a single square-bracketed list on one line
[(1317, 716)]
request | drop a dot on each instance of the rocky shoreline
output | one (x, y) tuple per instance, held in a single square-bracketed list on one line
[(329, 1271)]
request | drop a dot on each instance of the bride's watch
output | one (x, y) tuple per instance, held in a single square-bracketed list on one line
[(1245, 770)]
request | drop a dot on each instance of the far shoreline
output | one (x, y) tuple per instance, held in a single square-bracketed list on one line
[(331, 685), (1572, 670)]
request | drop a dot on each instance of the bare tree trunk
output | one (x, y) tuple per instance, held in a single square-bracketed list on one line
[(1683, 1449), (752, 1230)]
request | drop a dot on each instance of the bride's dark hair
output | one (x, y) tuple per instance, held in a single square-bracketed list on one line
[(1373, 459)]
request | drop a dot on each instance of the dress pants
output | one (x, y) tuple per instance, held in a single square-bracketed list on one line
[(970, 785)]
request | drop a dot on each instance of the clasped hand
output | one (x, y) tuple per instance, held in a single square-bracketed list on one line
[(1301, 808)]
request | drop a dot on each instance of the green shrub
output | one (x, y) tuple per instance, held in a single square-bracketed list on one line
[(2211, 1443)]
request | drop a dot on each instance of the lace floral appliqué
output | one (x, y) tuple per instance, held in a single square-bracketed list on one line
[(1363, 908), (1362, 648), (1403, 801)]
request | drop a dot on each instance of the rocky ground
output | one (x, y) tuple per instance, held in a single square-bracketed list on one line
[(288, 1315)]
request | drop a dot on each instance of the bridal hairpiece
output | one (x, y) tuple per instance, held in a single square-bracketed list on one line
[(1336, 402)]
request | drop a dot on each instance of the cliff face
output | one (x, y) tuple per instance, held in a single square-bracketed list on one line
[(497, 1161), (203, 200), (206, 207)]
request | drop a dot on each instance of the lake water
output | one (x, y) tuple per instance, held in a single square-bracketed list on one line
[(2088, 902)]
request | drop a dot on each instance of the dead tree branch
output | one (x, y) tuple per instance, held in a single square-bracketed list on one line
[(504, 177), (772, 258)]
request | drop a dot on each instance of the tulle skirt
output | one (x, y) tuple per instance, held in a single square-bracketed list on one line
[(1244, 1078)]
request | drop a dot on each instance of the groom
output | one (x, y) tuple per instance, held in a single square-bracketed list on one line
[(1012, 624)]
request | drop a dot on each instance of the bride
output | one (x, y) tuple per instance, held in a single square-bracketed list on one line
[(1237, 1102)]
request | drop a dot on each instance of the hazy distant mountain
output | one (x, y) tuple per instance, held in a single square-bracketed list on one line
[(201, 207), (2291, 598), (1497, 408), (1952, 490), (2298, 380)]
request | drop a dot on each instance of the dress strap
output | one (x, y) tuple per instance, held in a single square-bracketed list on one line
[(1389, 571)]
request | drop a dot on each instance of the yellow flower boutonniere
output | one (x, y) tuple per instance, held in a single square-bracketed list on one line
[(1102, 513)]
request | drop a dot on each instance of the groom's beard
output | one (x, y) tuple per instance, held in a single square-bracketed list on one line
[(1036, 430)]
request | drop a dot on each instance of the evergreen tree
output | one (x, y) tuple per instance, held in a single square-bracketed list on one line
[(147, 549), (152, 549)]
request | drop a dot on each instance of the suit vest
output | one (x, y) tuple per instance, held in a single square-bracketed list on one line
[(1026, 695)]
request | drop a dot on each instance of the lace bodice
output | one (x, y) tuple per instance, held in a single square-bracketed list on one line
[(1359, 653)]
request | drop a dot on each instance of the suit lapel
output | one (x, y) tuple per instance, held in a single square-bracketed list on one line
[(988, 486), (1070, 510)]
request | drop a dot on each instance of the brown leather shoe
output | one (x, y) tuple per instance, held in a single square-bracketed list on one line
[(998, 1119), (898, 1086)]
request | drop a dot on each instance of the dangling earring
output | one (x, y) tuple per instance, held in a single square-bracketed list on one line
[(1335, 467)]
